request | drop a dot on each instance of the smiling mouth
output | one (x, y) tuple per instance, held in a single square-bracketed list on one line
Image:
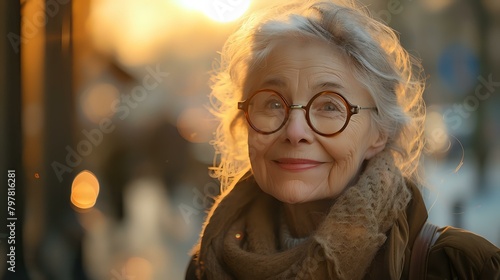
[(296, 164)]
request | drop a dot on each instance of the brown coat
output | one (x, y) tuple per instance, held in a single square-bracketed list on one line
[(457, 254)]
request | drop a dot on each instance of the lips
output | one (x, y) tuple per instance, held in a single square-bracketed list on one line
[(297, 164)]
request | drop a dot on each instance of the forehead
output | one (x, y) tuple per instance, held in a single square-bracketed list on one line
[(303, 54), (302, 64)]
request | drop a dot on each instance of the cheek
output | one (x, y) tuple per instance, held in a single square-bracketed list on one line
[(348, 148), (343, 148), (359, 135), (346, 160), (258, 144)]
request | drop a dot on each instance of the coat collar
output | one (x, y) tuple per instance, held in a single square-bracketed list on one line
[(403, 233)]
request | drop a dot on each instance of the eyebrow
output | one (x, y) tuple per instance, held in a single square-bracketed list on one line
[(278, 82), (329, 85)]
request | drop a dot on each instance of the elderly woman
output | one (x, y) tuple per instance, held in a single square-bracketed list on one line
[(318, 149)]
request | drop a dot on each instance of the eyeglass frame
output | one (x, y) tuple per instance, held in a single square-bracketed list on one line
[(351, 110)]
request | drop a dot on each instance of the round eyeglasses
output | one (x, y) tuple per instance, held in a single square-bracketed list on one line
[(327, 113)]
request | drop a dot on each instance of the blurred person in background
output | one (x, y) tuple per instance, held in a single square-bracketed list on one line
[(318, 156)]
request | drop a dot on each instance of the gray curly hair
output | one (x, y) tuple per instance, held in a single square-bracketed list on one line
[(392, 77)]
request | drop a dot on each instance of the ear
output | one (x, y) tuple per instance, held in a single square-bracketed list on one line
[(376, 146)]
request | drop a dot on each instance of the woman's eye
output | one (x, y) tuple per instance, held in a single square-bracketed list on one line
[(329, 106), (274, 105)]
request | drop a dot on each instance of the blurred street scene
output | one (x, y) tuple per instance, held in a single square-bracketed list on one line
[(104, 119)]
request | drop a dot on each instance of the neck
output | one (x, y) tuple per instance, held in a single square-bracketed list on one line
[(303, 219)]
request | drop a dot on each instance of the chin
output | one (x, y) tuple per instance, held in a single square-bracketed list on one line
[(291, 200), (294, 197), (290, 191)]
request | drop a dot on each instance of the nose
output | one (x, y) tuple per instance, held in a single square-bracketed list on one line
[(297, 130)]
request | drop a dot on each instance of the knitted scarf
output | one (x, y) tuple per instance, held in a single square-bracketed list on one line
[(241, 237)]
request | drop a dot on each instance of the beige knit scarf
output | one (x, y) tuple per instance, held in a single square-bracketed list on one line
[(240, 239)]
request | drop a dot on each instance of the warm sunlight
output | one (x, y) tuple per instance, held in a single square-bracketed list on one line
[(134, 31), (218, 10), (190, 4)]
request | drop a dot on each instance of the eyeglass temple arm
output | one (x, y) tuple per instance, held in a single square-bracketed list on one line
[(355, 109)]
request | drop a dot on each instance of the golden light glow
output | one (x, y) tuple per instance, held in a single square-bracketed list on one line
[(84, 190), (225, 10), (218, 10), (32, 119), (137, 33), (190, 4), (134, 31)]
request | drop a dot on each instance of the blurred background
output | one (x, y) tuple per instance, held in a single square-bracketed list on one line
[(104, 120)]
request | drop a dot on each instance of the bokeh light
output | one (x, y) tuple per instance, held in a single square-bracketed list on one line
[(97, 101), (196, 125), (138, 268), (436, 133), (84, 190)]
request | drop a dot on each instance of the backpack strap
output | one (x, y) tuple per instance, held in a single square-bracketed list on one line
[(421, 247)]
